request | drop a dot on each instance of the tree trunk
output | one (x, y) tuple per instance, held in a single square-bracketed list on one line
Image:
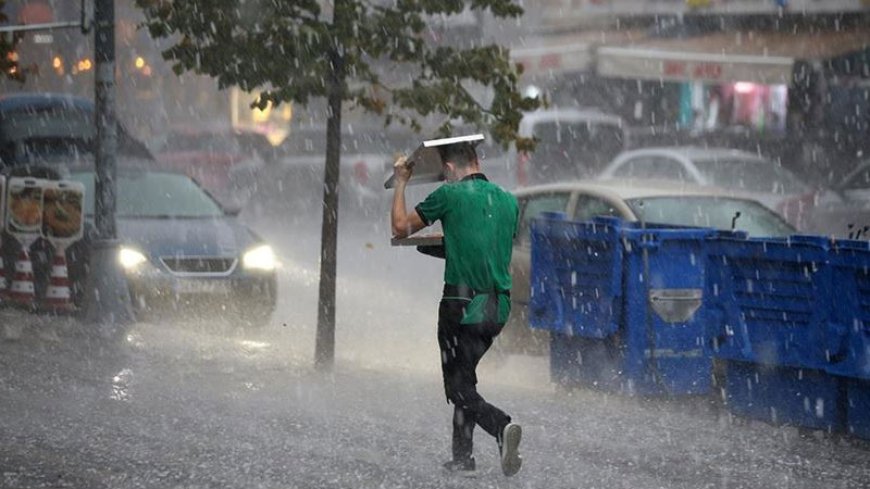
[(324, 349)]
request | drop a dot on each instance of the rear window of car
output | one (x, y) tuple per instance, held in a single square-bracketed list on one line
[(532, 206), (751, 175), (154, 195), (714, 212), (568, 149)]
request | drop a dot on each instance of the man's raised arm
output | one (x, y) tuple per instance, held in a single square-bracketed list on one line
[(403, 223)]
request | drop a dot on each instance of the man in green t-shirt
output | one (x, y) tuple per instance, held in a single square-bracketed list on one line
[(479, 220)]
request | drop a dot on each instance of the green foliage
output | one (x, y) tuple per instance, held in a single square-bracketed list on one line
[(375, 53)]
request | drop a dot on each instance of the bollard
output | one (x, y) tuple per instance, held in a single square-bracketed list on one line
[(58, 297), (22, 292)]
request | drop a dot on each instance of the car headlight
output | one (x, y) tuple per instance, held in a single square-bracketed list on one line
[(130, 259), (260, 258)]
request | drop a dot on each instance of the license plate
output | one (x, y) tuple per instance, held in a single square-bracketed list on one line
[(202, 287)]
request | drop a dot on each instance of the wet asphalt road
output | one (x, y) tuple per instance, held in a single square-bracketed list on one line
[(194, 404)]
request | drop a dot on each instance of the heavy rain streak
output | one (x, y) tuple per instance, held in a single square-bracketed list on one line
[(217, 270)]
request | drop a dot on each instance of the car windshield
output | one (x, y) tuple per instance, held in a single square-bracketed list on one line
[(753, 175), (714, 212), (154, 195)]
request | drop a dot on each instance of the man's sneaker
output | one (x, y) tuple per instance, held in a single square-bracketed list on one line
[(509, 449), (462, 466)]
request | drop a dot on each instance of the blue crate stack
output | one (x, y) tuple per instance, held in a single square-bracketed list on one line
[(644, 309), (621, 303)]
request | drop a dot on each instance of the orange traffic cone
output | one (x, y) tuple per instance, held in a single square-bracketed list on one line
[(21, 291), (58, 297)]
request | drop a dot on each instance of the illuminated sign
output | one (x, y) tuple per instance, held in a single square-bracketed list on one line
[(43, 38)]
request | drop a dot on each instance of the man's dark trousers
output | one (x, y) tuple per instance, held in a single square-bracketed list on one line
[(462, 346)]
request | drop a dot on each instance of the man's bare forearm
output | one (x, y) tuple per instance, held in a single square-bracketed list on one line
[(399, 214)]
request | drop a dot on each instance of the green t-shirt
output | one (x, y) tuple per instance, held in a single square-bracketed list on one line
[(479, 220)]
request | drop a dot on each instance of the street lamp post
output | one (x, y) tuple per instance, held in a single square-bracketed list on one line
[(107, 296)]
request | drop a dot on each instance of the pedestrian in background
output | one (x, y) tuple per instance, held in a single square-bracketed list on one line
[(479, 220)]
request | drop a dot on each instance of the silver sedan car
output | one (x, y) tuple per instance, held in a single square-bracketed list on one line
[(763, 179)]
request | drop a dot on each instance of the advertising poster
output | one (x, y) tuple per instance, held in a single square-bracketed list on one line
[(24, 201), (62, 211)]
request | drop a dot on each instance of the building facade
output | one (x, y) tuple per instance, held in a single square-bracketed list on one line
[(751, 73)]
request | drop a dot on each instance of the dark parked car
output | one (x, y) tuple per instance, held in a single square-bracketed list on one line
[(181, 250), (40, 127)]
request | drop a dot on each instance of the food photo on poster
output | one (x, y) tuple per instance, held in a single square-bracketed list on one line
[(62, 216), (25, 207)]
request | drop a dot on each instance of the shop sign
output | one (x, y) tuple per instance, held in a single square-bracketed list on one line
[(568, 58), (654, 64), (681, 69), (43, 39)]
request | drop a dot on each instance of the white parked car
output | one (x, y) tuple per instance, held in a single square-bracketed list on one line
[(855, 187), (847, 215), (573, 143), (763, 179), (651, 201)]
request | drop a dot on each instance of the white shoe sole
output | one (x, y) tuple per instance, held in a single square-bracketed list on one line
[(511, 462)]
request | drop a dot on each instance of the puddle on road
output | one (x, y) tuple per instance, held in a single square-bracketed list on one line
[(121, 386)]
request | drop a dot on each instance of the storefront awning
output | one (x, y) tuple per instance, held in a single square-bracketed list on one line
[(760, 57)]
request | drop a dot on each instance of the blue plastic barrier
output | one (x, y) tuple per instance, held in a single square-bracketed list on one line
[(858, 407), (771, 301), (768, 301), (576, 281), (642, 309), (785, 395), (622, 298), (849, 340)]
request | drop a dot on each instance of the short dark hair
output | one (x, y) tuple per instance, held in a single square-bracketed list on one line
[(460, 154)]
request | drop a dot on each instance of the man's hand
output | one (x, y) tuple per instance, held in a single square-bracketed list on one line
[(402, 170)]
